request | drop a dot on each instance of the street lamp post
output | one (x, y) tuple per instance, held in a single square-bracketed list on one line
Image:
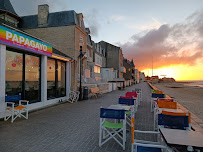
[(80, 86)]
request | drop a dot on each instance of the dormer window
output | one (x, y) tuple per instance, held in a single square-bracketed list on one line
[(9, 20)]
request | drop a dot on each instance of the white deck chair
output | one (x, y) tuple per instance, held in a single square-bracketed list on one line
[(116, 131), (13, 110), (73, 96), (146, 146)]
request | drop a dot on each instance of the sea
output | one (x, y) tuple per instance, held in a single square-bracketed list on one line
[(193, 83)]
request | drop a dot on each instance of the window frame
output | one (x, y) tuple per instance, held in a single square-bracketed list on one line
[(23, 72), (56, 78)]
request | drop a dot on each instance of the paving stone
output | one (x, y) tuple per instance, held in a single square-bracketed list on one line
[(72, 127)]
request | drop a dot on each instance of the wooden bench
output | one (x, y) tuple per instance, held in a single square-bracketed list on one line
[(95, 92)]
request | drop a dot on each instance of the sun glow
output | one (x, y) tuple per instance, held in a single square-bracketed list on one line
[(178, 72)]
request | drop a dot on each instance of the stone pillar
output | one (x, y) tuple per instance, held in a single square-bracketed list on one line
[(44, 79), (68, 78), (2, 78)]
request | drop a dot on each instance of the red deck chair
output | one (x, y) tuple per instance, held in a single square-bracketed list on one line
[(126, 97), (131, 94)]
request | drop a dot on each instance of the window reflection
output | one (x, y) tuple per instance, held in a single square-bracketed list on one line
[(14, 68), (32, 74), (51, 85), (23, 75), (61, 91)]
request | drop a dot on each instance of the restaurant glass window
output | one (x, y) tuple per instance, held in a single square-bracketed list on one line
[(14, 73), (23, 75), (32, 78), (51, 78), (61, 88)]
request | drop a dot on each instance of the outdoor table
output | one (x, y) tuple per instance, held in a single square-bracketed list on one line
[(182, 137), (170, 110), (123, 107)]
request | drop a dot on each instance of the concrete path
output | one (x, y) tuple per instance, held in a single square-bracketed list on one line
[(71, 127)]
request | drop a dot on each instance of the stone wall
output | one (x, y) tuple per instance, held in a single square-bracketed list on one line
[(62, 38), (104, 87), (66, 39), (112, 55)]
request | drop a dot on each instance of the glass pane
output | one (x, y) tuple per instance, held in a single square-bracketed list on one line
[(98, 69), (32, 74), (14, 72), (61, 79), (51, 88), (95, 69)]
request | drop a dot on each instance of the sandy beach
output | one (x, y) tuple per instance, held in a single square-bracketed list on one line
[(190, 97)]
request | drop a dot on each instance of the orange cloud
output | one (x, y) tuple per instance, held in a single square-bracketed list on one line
[(179, 44)]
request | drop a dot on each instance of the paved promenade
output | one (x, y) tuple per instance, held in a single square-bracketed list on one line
[(70, 127)]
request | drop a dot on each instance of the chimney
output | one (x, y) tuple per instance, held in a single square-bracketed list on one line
[(43, 12)]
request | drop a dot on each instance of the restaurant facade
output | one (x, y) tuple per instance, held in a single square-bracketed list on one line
[(32, 68)]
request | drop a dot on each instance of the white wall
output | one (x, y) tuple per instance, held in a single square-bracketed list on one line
[(44, 79), (2, 78), (107, 74), (44, 102)]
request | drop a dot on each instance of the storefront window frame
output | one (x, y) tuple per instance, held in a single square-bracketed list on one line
[(56, 78), (23, 72), (61, 74)]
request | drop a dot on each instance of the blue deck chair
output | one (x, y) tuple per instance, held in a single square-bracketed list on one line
[(13, 110), (153, 103), (116, 131), (138, 147), (173, 122), (129, 102), (155, 95)]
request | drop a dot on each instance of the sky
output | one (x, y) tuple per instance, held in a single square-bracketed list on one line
[(164, 34)]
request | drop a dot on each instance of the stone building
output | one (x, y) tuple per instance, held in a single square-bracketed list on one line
[(90, 58), (65, 30), (114, 58), (99, 60), (133, 71), (128, 67), (30, 68), (130, 71), (8, 15), (137, 76), (128, 75)]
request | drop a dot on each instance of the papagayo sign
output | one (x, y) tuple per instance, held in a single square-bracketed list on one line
[(18, 40)]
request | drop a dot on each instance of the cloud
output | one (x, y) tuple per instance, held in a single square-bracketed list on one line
[(92, 22), (30, 7), (181, 43), (115, 18), (154, 25)]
